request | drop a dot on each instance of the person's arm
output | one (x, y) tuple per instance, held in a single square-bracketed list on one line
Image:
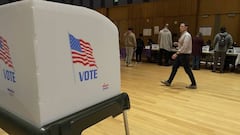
[(170, 40), (230, 40), (143, 46), (134, 41), (159, 37), (202, 42), (215, 40)]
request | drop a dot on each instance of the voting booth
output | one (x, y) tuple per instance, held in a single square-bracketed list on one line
[(55, 60)]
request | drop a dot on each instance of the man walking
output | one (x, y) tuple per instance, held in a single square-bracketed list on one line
[(182, 56)]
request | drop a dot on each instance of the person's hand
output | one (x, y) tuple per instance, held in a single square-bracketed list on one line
[(174, 56), (175, 43)]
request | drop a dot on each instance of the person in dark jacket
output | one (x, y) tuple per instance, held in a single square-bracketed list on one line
[(197, 51), (140, 47)]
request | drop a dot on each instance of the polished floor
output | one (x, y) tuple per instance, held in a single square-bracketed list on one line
[(212, 109)]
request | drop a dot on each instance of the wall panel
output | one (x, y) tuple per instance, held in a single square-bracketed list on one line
[(213, 13), (171, 7), (135, 11), (148, 10), (118, 13), (232, 24), (207, 21), (221, 13), (219, 6), (122, 27), (188, 7)]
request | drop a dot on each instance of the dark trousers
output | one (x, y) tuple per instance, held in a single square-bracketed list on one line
[(182, 59), (163, 54), (196, 62), (139, 54), (222, 56)]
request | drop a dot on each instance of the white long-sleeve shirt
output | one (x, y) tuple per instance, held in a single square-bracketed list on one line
[(185, 43)]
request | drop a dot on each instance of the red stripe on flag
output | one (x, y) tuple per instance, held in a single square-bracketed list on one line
[(5, 53)]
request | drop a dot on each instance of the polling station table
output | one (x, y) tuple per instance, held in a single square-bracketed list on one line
[(231, 57)]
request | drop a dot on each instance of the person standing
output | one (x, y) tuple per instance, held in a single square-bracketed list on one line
[(197, 51), (165, 44), (140, 47), (182, 57), (222, 42), (130, 44)]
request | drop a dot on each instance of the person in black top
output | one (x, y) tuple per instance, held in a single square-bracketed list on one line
[(140, 47)]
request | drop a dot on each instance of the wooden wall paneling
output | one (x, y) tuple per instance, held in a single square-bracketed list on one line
[(159, 8), (118, 13), (206, 21), (135, 11), (156, 10), (134, 23), (232, 24), (188, 7), (159, 21), (231, 6), (219, 6), (146, 23), (146, 15), (192, 22), (171, 7), (147, 10), (137, 28), (122, 27), (208, 6)]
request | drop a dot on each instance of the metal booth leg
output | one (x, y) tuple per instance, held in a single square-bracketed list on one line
[(126, 122)]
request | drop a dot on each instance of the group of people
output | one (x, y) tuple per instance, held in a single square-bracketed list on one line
[(186, 46)]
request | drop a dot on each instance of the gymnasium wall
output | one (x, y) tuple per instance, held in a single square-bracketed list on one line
[(197, 13)]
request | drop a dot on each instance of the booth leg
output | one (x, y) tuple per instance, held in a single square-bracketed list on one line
[(126, 122)]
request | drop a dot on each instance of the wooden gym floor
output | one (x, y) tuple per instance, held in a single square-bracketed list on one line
[(212, 109)]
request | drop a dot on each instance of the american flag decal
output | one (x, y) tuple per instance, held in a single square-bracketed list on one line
[(82, 52), (5, 53)]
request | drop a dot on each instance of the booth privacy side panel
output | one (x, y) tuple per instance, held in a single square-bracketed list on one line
[(18, 84), (61, 82)]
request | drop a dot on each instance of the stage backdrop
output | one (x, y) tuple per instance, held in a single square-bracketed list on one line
[(55, 59)]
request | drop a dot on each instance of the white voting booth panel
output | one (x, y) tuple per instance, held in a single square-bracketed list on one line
[(55, 59)]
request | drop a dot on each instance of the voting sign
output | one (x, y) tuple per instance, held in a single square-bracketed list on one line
[(55, 60)]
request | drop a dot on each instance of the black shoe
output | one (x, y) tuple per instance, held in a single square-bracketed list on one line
[(192, 87), (165, 83)]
